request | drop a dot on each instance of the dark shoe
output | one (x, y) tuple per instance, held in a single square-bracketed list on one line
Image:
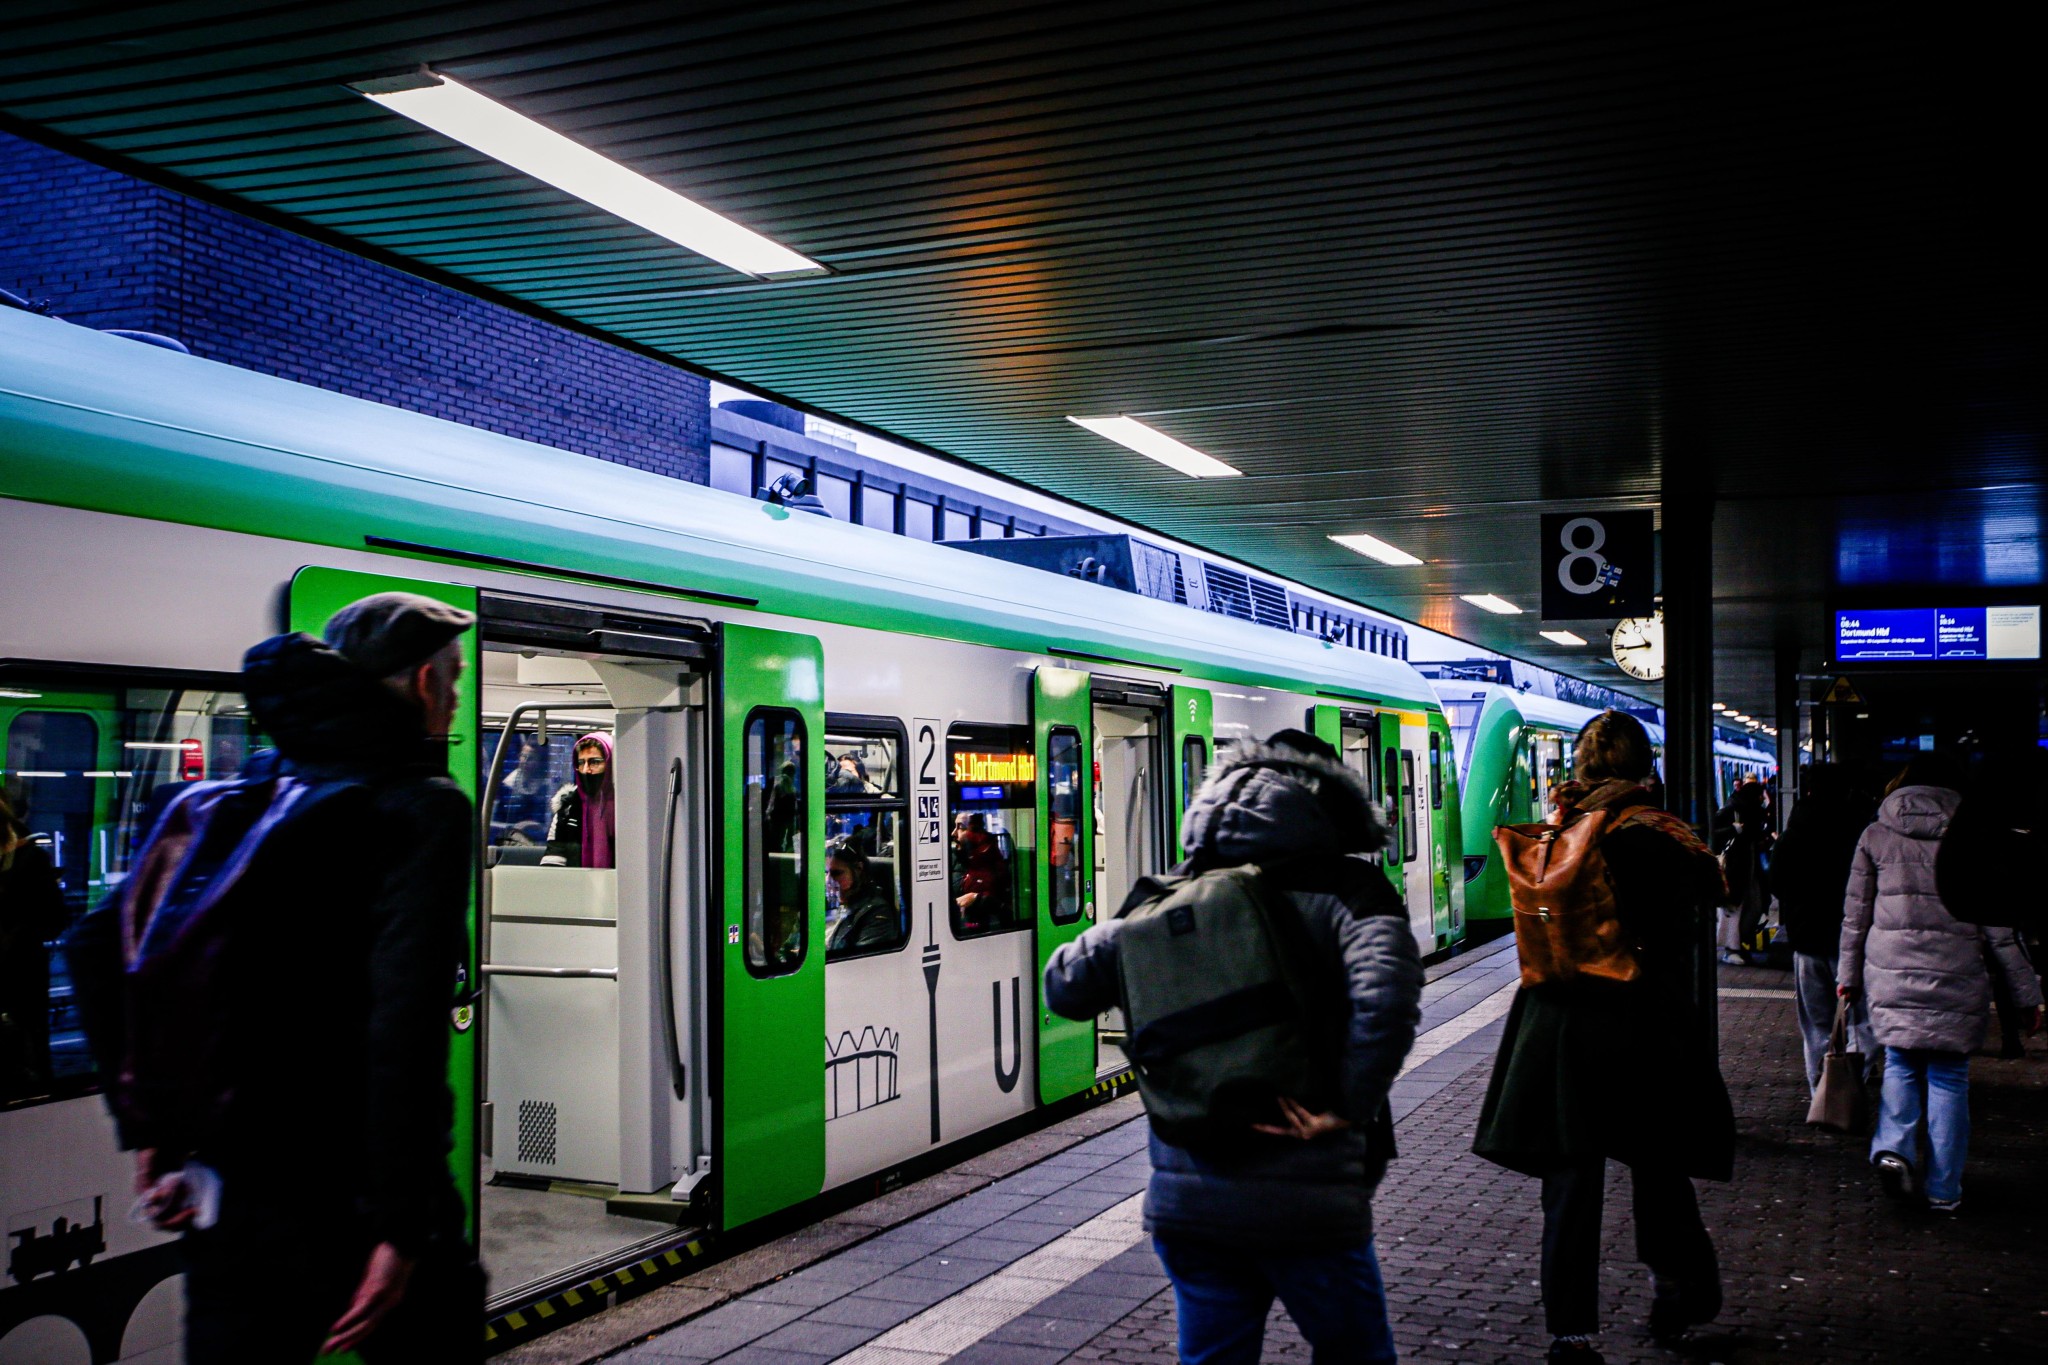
[(1573, 1353), (1944, 1206), (1895, 1173), (1679, 1306)]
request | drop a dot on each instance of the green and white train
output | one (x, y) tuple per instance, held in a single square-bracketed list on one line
[(650, 1054), (1513, 747)]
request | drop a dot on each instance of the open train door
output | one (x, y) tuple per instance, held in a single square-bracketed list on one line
[(1061, 721), (771, 932), (316, 594), (1191, 732)]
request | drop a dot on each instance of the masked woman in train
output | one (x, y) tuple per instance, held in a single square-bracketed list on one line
[(585, 820)]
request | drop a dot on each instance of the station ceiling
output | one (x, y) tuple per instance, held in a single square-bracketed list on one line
[(1422, 271)]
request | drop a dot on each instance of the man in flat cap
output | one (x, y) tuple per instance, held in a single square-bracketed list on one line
[(319, 1209)]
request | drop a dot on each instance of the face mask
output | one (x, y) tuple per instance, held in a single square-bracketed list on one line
[(591, 783)]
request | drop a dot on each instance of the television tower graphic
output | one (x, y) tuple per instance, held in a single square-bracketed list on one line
[(931, 990)]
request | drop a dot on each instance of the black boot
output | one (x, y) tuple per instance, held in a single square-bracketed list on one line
[(1573, 1351), (1681, 1304)]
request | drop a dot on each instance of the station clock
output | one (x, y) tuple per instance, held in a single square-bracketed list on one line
[(1637, 643)]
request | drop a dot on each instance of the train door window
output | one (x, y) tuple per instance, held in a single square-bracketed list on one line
[(1355, 747), (1408, 839), (866, 846), (776, 918), (1463, 714), (1063, 793), (1392, 797), (992, 786), (1194, 763), (90, 764), (1436, 771), (1130, 797)]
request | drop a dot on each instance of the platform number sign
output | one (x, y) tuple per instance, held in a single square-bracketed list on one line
[(930, 825), (1598, 564)]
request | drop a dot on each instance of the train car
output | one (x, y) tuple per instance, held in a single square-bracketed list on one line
[(984, 758), (1512, 749), (1736, 762)]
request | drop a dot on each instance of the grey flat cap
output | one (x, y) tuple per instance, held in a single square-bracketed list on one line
[(384, 633)]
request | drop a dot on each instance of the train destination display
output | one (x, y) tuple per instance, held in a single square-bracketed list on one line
[(1985, 633)]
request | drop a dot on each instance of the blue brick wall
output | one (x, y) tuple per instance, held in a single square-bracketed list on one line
[(106, 250)]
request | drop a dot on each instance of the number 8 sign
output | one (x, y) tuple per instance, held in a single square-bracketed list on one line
[(1598, 564)]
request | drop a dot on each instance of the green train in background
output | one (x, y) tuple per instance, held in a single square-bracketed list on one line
[(1514, 747)]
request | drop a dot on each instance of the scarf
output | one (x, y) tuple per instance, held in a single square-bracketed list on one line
[(1626, 800), (599, 813)]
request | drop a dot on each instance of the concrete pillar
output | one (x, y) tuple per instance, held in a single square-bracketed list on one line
[(1688, 563), (1789, 729)]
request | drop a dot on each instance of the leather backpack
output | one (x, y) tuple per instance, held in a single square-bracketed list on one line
[(1567, 923)]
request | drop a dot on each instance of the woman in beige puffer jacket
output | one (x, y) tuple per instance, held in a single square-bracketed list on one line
[(1924, 973)]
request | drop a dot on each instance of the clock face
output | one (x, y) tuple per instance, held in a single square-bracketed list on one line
[(1638, 645)]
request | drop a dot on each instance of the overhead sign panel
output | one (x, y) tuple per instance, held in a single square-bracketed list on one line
[(1928, 633), (1599, 565)]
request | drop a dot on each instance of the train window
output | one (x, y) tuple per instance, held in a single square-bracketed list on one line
[(1408, 839), (90, 764), (992, 783), (1436, 771), (866, 850), (777, 912), (1194, 762), (1064, 802)]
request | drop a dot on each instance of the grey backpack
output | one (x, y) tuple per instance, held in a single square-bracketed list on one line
[(1217, 976)]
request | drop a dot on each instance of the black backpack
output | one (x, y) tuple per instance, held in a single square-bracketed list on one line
[(1224, 1004), (156, 966)]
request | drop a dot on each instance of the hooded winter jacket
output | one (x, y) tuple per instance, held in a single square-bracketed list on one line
[(1921, 968), (1297, 816)]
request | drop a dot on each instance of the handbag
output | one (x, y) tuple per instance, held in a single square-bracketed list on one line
[(1840, 1101)]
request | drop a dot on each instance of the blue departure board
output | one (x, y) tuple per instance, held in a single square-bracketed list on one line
[(1957, 633)]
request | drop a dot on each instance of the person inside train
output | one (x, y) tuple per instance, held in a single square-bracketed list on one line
[(31, 914), (861, 903), (981, 874), (846, 777), (1590, 1070), (586, 810), (782, 820)]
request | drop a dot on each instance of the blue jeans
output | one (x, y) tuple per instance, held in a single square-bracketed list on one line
[(1927, 1089), (1222, 1295)]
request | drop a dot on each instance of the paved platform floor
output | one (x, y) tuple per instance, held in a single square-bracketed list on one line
[(1049, 1263)]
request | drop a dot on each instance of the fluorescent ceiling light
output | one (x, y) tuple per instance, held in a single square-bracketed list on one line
[(18, 694), (1372, 547), (1157, 445), (1720, 706), (452, 108), (1499, 606), (1560, 637)]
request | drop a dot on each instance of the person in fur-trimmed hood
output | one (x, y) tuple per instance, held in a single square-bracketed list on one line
[(1289, 1212)]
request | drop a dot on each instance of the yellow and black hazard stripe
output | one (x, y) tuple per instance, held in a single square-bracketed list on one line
[(527, 1321), (1109, 1087)]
